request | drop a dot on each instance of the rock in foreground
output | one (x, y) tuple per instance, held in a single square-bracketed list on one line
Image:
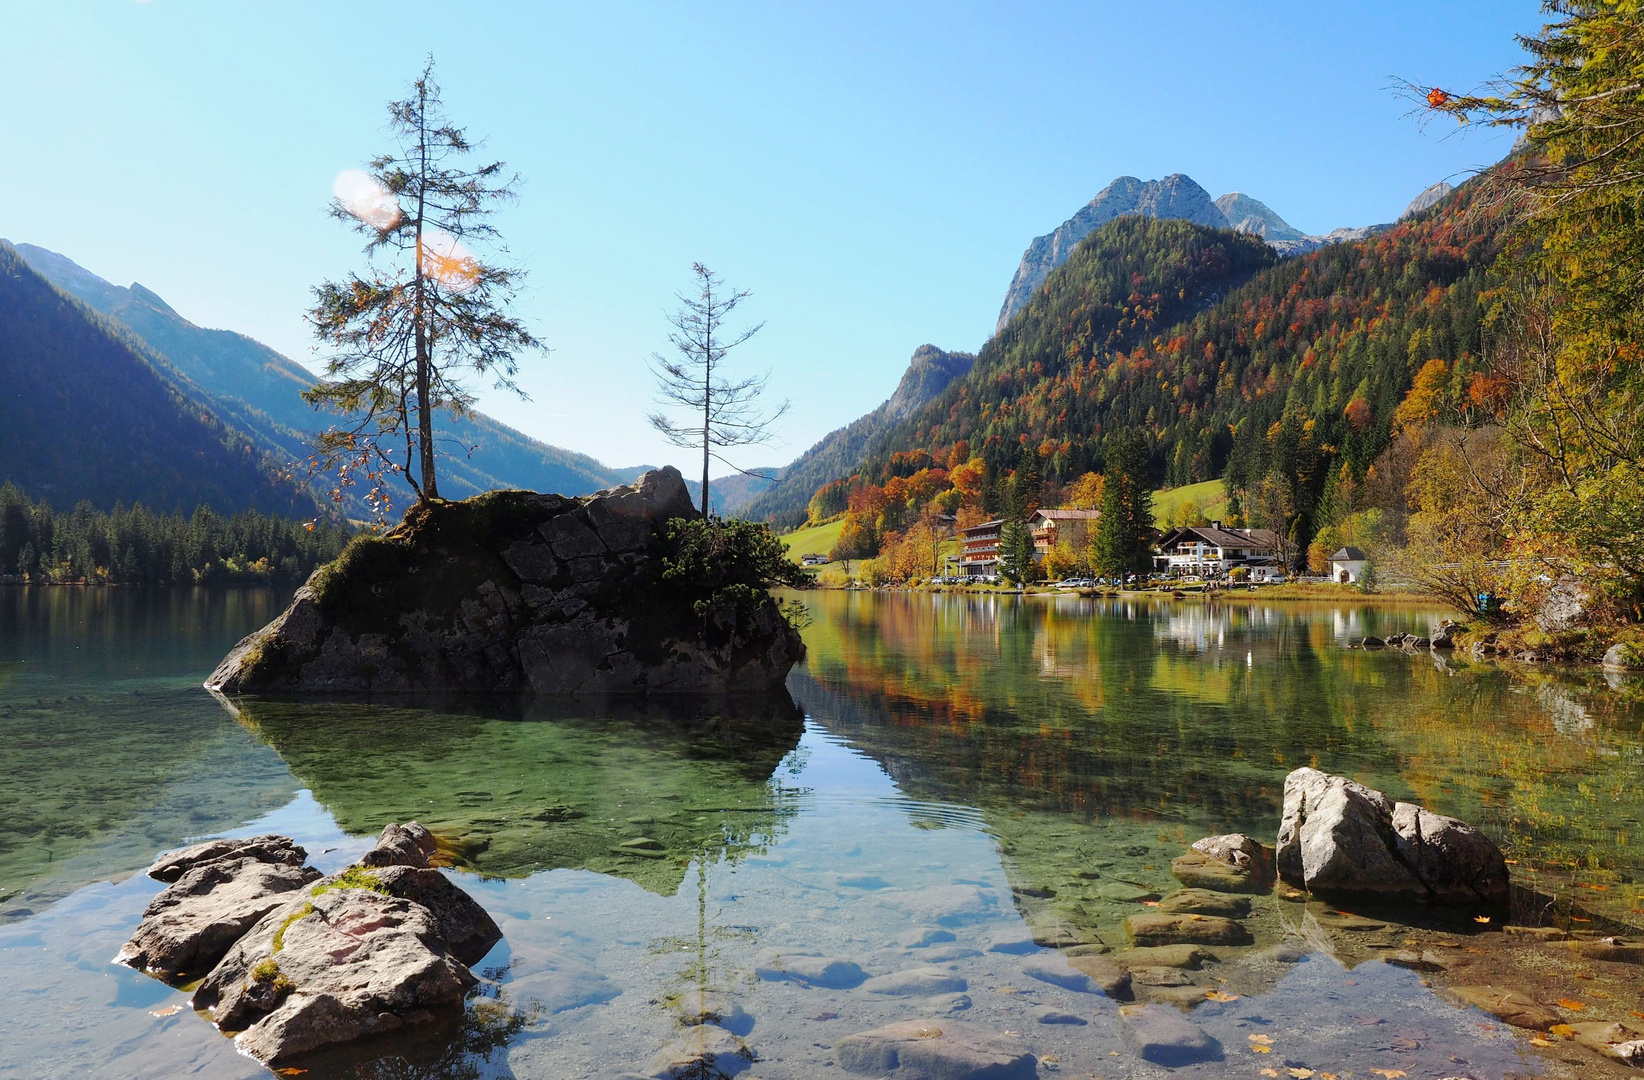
[(304, 961), (515, 591), (1338, 836)]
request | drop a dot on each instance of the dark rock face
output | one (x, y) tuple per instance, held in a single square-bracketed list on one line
[(1338, 836), (513, 591), (297, 961)]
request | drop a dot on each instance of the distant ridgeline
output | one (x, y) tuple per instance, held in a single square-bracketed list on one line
[(247, 389), (929, 373), (1273, 373), (88, 412), (141, 547)]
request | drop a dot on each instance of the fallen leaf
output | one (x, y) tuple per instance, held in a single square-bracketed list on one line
[(1572, 1005), (1481, 918), (1578, 918), (1148, 903), (169, 1010), (1636, 1013), (1328, 1076), (1595, 888), (1052, 1058), (1510, 862), (1390, 1074), (1401, 1042), (824, 1016), (1261, 1048), (1563, 1031), (1539, 1041), (1368, 1021), (1260, 1038), (1220, 995), (1300, 1074), (290, 1071), (1270, 1072), (1349, 982)]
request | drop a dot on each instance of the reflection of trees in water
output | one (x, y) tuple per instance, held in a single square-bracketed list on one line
[(1194, 713), (633, 788)]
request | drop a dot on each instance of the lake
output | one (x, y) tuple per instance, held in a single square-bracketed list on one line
[(954, 779)]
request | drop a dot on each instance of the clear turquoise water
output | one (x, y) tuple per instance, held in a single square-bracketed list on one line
[(979, 766)]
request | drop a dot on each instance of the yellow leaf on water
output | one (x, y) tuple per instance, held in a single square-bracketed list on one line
[(1260, 1038), (1481, 918), (169, 1010), (1270, 1072), (1220, 995), (1328, 1076), (1572, 1005), (1300, 1074), (1390, 1074), (1261, 1048)]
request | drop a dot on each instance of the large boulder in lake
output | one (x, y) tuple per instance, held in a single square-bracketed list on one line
[(1338, 836), (515, 591), (383, 945)]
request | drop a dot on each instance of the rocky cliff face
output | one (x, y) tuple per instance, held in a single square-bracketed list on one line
[(1176, 196), (511, 591)]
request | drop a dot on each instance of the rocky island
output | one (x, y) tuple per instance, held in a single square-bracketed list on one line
[(616, 592)]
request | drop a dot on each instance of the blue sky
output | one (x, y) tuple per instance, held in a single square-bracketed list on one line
[(872, 171)]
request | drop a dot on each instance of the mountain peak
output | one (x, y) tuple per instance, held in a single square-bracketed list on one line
[(1175, 196), (1254, 216)]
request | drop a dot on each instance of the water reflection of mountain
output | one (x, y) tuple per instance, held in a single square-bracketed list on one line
[(634, 788)]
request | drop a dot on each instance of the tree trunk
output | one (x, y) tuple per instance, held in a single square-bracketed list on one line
[(425, 413)]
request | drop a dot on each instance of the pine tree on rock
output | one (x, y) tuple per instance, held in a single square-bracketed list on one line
[(425, 312), (722, 411)]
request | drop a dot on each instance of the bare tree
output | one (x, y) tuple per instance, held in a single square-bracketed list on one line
[(723, 411), (425, 311)]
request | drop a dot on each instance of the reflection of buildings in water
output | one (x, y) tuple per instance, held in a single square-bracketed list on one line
[(1568, 715), (1345, 623)]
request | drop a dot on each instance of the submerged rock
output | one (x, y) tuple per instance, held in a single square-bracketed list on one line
[(1164, 928), (703, 1051), (1197, 870), (934, 1050), (926, 981), (1338, 836), (1205, 902), (1160, 1034), (514, 590), (809, 969)]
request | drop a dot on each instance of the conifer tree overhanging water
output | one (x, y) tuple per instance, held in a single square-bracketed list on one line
[(425, 311), (723, 412)]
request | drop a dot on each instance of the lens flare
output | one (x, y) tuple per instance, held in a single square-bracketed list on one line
[(447, 261), (364, 196)]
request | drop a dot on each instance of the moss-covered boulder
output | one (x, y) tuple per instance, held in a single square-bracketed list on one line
[(515, 590)]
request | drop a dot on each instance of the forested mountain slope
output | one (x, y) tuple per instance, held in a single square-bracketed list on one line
[(87, 412), (930, 371), (256, 389), (1275, 373)]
